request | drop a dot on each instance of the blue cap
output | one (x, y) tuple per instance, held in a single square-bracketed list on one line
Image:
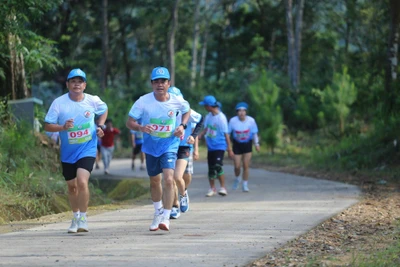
[(209, 101), (174, 90), (242, 105), (160, 73), (76, 73)]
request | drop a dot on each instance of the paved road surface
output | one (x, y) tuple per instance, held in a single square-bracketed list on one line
[(217, 231)]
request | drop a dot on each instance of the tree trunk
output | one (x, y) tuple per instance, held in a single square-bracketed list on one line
[(195, 44), (17, 79), (104, 47), (290, 37), (391, 66), (297, 42), (171, 42), (125, 57)]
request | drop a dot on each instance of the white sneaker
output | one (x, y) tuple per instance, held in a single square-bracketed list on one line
[(245, 188), (156, 221), (164, 224), (211, 192), (74, 226), (222, 191), (83, 225)]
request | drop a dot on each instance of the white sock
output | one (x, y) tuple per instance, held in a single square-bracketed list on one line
[(167, 213), (158, 207), (77, 215), (83, 214), (245, 182), (238, 178)]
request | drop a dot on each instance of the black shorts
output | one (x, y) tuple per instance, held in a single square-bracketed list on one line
[(215, 157), (137, 149), (70, 169), (242, 148), (183, 152)]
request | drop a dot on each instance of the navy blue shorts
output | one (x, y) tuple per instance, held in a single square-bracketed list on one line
[(155, 165)]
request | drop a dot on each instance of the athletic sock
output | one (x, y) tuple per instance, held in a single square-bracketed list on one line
[(83, 214), (158, 207), (245, 182), (167, 213), (77, 215)]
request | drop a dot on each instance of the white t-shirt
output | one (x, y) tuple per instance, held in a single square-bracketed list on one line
[(163, 117), (81, 140), (242, 131)]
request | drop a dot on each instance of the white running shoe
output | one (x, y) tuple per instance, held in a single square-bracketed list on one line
[(74, 226), (211, 192), (156, 221), (164, 224), (82, 225), (222, 191), (245, 188)]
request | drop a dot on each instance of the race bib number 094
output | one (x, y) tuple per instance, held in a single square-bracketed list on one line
[(79, 134)]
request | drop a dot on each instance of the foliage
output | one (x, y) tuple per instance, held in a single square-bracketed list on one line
[(338, 97), (265, 94)]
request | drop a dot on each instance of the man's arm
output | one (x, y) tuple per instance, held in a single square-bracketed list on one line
[(228, 142)]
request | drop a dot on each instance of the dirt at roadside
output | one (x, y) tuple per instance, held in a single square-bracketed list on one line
[(371, 224)]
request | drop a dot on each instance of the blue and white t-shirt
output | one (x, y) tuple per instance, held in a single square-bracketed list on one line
[(163, 118), (81, 140), (138, 137), (217, 127), (242, 131), (191, 124)]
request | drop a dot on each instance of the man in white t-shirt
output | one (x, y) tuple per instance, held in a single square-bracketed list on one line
[(244, 132), (72, 115), (162, 129)]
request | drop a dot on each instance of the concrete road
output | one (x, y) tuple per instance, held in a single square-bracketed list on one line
[(217, 231)]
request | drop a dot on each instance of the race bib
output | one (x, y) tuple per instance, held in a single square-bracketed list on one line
[(162, 127), (79, 134), (211, 131), (242, 135)]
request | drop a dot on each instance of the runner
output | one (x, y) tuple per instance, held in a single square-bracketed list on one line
[(137, 141), (181, 200), (158, 112), (72, 114), (107, 144), (217, 138), (244, 132)]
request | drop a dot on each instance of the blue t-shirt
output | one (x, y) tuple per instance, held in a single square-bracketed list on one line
[(138, 137), (191, 124), (217, 127), (81, 140), (163, 118)]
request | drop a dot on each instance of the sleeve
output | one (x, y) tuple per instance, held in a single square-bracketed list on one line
[(52, 114), (224, 124), (100, 105), (198, 128), (136, 111), (254, 128), (230, 126)]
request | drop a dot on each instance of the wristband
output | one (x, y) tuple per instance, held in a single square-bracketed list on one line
[(183, 125)]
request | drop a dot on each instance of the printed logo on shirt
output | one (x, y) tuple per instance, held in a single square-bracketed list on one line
[(87, 114), (171, 113)]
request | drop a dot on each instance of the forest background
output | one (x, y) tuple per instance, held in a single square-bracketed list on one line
[(320, 76)]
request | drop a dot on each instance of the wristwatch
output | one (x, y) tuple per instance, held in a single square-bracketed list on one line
[(103, 127), (183, 125)]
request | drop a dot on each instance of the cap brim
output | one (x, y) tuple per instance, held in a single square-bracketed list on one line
[(202, 103), (83, 78), (159, 77)]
